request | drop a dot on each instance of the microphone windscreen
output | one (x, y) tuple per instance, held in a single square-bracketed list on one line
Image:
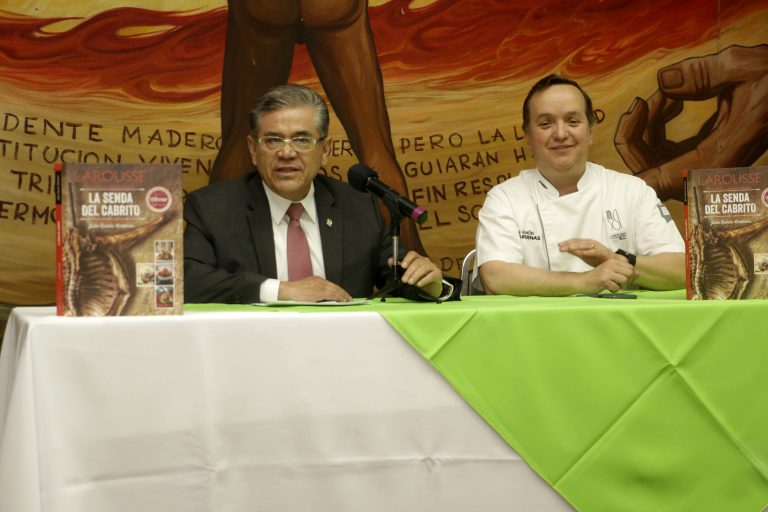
[(358, 176)]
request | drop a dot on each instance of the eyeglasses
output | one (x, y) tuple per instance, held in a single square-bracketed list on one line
[(301, 143)]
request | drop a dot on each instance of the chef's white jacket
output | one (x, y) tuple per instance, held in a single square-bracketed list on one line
[(524, 218)]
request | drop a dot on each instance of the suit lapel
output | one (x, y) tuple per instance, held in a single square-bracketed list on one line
[(260, 224), (330, 223)]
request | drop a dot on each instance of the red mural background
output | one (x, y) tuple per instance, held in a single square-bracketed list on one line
[(449, 44)]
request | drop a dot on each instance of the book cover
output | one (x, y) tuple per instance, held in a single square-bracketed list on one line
[(119, 240), (726, 224)]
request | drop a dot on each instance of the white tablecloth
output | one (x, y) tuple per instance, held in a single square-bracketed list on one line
[(264, 411)]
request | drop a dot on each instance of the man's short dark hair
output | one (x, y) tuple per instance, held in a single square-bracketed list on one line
[(287, 96), (544, 84)]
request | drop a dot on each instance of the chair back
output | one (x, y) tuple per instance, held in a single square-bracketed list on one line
[(468, 273)]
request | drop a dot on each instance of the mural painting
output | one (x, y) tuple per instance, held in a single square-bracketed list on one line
[(428, 93)]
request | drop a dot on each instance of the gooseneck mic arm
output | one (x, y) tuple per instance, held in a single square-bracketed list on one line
[(365, 179)]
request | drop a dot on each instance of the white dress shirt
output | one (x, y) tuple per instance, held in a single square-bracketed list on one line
[(278, 206)]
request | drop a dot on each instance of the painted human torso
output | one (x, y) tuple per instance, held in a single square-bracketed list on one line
[(309, 13)]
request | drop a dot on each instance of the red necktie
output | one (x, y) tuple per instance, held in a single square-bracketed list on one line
[(299, 262)]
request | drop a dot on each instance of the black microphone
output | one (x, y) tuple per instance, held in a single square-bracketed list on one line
[(365, 179)]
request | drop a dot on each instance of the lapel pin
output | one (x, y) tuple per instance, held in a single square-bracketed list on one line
[(329, 222)]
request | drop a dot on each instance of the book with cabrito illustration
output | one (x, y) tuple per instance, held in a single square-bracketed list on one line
[(726, 224), (119, 246)]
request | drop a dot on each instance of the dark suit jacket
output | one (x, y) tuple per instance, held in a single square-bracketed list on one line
[(229, 247)]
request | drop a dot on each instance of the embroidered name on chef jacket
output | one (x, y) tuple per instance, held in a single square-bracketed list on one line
[(528, 234)]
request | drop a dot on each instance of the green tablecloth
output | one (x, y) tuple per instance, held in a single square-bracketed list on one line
[(655, 404)]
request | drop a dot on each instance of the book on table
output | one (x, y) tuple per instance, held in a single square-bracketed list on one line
[(119, 246), (726, 224)]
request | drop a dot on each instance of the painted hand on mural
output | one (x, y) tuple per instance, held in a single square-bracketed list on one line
[(261, 37), (736, 134)]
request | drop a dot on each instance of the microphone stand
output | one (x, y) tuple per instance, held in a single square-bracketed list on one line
[(394, 287), (394, 283)]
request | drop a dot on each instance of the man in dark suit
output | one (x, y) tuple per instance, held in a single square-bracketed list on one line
[(238, 235)]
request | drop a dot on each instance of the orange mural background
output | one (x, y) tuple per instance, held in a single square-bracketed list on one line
[(141, 82)]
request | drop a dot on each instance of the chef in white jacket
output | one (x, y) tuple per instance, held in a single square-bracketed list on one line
[(571, 226)]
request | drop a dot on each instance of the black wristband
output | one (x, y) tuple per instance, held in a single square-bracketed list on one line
[(631, 258)]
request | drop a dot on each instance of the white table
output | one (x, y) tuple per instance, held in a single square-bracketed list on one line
[(241, 411)]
